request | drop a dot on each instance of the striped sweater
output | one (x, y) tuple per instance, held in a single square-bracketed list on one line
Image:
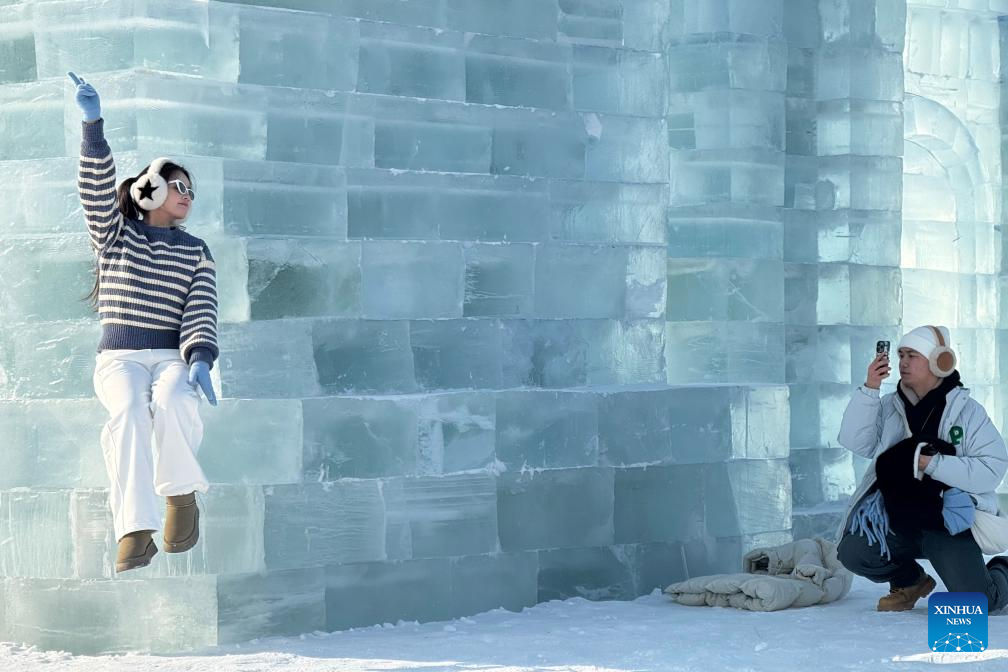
[(157, 285)]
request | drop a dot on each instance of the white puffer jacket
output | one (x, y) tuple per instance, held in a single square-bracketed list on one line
[(873, 424)]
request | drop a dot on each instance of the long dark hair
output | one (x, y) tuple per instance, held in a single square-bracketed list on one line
[(130, 210)]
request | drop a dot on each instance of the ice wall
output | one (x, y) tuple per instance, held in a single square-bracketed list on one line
[(520, 299)]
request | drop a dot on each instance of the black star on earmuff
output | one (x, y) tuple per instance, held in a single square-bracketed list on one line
[(147, 191), (143, 190)]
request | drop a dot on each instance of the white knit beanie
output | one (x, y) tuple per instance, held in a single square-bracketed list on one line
[(925, 341)]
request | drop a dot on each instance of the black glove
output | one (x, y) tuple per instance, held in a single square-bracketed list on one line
[(936, 446)]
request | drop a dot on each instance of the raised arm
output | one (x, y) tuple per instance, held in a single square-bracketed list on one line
[(96, 176)]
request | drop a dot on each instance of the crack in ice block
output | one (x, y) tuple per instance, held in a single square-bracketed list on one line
[(359, 437), (408, 205), (297, 49), (498, 280), (275, 198), (430, 517), (184, 36), (456, 433), (270, 604), (323, 523), (415, 62), (407, 279), (660, 503), (91, 617), (453, 354), (252, 441), (36, 272), (547, 429), (752, 496), (555, 508), (297, 278), (518, 73), (363, 356), (51, 443)]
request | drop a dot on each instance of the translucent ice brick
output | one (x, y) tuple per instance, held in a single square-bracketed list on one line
[(748, 290), (35, 533), (645, 495), (492, 581), (430, 517), (33, 120), (545, 429), (48, 359), (499, 279), (311, 126), (618, 81), (725, 230), (412, 279), (276, 198), (51, 443), (626, 149), (289, 343), (265, 604), (416, 62), (726, 352), (580, 281), (517, 73), (186, 37), (17, 46), (589, 22), (297, 49), (555, 508), (42, 196), (360, 356), (252, 441), (456, 432), (35, 275), (520, 18), (386, 592), (452, 354), (540, 144), (755, 496), (600, 573), (359, 438), (604, 212), (294, 278), (320, 523)]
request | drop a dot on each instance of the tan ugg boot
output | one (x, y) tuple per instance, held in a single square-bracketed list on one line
[(904, 599), (135, 550), (181, 530)]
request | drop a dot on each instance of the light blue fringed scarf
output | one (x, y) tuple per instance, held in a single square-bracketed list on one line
[(871, 521)]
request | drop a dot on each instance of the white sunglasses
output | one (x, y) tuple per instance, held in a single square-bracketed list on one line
[(181, 187)]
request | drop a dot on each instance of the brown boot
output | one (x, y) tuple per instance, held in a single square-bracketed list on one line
[(903, 599), (135, 550), (181, 530)]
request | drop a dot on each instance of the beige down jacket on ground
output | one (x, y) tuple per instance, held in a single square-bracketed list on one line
[(798, 574)]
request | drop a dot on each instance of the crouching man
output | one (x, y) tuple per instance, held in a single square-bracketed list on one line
[(936, 457)]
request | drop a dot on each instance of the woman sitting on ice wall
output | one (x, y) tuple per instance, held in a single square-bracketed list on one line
[(936, 461), (155, 291)]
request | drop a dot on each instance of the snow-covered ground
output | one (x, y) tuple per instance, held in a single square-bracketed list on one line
[(650, 633)]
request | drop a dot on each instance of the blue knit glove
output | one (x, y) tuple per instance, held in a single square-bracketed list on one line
[(958, 510), (199, 374), (87, 98)]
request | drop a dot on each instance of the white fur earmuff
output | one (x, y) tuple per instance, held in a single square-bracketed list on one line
[(150, 190)]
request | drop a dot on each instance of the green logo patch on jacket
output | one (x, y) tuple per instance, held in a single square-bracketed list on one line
[(956, 435)]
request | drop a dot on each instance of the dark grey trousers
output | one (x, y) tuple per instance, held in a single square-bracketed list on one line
[(957, 559)]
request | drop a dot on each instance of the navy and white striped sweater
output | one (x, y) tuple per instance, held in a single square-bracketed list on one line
[(157, 286)]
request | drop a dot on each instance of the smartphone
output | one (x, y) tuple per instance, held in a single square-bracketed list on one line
[(882, 348)]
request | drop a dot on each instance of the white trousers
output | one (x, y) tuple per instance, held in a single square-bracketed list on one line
[(152, 436)]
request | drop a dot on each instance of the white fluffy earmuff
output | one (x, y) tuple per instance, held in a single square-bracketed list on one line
[(150, 190), (942, 360)]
